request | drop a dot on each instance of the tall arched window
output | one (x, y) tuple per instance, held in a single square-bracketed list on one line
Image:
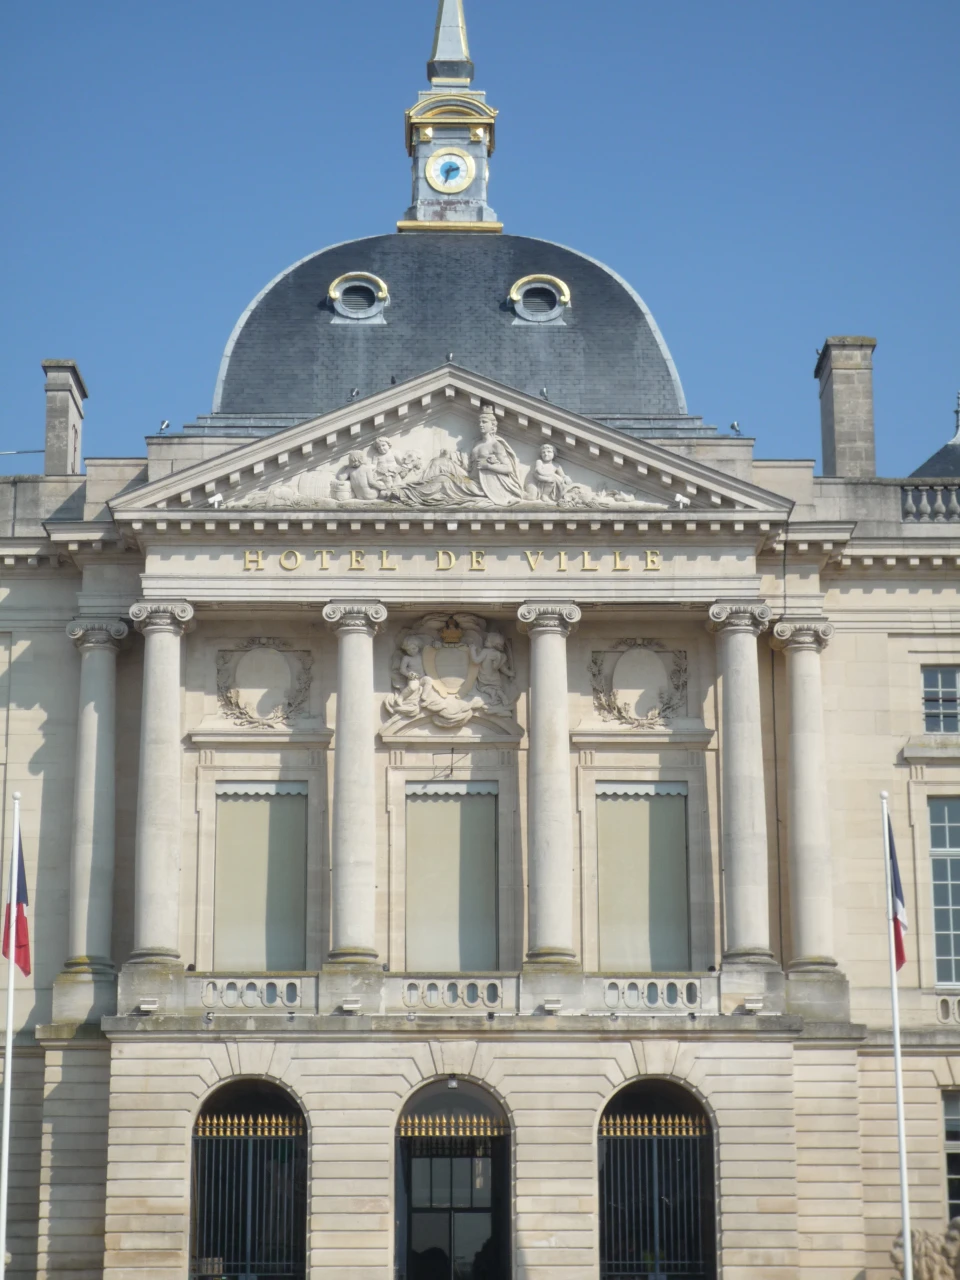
[(249, 1186), (453, 1185), (657, 1214)]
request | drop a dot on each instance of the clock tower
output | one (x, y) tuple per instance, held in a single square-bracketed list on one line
[(450, 134)]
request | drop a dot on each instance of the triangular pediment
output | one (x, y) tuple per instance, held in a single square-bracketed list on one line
[(448, 442)]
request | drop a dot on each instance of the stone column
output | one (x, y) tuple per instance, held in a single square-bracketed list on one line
[(744, 814), (86, 988), (354, 842), (156, 911), (549, 798), (811, 873)]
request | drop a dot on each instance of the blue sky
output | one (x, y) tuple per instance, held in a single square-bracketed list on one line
[(764, 174)]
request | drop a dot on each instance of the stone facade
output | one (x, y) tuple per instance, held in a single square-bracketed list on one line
[(802, 647)]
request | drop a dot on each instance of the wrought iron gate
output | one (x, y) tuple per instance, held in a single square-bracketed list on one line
[(656, 1198), (249, 1198)]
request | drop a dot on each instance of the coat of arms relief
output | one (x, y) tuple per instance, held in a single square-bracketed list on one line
[(432, 465), (451, 669)]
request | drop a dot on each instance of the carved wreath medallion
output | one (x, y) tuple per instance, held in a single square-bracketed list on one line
[(661, 700), (263, 682)]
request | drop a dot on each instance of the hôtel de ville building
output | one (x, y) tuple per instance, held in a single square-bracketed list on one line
[(450, 776)]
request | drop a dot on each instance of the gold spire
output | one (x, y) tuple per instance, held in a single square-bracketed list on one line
[(450, 60)]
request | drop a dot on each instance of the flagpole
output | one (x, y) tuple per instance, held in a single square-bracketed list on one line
[(8, 1039), (897, 1060)]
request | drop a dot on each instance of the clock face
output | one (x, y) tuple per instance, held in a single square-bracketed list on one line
[(450, 170)]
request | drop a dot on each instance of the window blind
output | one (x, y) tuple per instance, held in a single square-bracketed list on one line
[(260, 887), (642, 855), (451, 882)]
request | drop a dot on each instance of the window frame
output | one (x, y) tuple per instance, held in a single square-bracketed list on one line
[(949, 854), (951, 1147), (939, 668)]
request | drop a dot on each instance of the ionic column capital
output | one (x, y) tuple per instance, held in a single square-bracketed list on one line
[(355, 615), (172, 616), (802, 633), (752, 616), (97, 633), (557, 616)]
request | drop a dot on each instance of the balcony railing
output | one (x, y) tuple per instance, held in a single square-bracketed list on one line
[(484, 995), (930, 503)]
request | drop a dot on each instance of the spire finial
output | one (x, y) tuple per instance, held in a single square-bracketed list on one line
[(956, 414), (450, 60)]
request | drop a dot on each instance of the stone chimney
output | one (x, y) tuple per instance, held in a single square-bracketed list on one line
[(65, 396), (845, 371)]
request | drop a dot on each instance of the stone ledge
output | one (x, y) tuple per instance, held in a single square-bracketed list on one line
[(501, 1027), (932, 746)]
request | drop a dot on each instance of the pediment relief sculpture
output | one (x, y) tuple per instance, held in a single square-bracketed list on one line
[(639, 683), (433, 466), (263, 683), (449, 669)]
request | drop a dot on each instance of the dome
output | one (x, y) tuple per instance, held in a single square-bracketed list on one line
[(296, 353)]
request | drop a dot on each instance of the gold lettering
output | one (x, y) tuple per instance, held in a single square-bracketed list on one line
[(618, 565), (287, 563), (385, 560), (476, 562), (530, 558), (561, 562), (587, 567), (446, 559), (324, 559), (252, 560), (653, 561), (356, 559)]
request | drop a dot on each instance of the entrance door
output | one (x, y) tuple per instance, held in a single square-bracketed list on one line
[(453, 1221)]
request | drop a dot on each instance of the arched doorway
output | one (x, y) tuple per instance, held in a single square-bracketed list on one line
[(249, 1186), (656, 1173), (453, 1185)]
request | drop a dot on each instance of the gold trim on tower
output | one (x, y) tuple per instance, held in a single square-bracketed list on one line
[(496, 227)]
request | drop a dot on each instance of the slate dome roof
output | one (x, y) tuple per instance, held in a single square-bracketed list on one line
[(291, 357)]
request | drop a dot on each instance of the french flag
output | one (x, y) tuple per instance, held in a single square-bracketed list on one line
[(21, 937), (899, 906)]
